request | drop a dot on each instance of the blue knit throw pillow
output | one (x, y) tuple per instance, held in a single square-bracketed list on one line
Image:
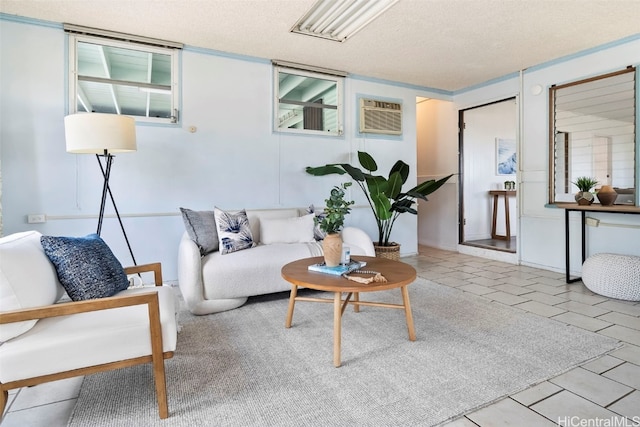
[(86, 267)]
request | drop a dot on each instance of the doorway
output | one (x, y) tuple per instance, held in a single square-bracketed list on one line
[(488, 160)]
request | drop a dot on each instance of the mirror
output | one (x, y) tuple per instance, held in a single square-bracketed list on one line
[(592, 133)]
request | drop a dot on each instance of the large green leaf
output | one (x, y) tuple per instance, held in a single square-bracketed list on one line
[(404, 205), (354, 172), (382, 206), (395, 185), (429, 186), (367, 161), (325, 170), (377, 184), (416, 195), (402, 168)]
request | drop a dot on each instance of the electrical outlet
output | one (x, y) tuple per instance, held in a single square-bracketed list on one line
[(36, 218), (592, 222)]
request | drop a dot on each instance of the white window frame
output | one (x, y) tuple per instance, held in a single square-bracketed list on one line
[(339, 82), (173, 52)]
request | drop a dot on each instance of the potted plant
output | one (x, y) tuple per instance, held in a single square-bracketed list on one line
[(584, 184), (384, 194), (332, 221)]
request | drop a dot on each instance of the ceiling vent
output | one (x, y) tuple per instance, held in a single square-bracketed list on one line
[(380, 117)]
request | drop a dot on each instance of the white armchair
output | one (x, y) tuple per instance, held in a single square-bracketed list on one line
[(43, 341)]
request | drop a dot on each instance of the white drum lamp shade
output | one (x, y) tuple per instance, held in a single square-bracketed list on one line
[(95, 133)]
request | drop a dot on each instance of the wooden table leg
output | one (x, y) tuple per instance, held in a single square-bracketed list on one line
[(337, 327), (292, 303), (494, 219), (407, 312), (506, 215), (356, 298), (345, 303)]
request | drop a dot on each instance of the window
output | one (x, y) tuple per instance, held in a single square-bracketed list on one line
[(593, 133), (123, 77), (307, 102)]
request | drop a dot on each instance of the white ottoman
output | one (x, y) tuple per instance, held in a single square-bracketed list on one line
[(613, 275)]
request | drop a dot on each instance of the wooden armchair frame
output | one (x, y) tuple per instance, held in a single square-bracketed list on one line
[(156, 358)]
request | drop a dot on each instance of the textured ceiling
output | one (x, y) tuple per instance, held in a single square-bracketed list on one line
[(441, 44)]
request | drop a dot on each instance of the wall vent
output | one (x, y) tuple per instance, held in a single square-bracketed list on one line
[(380, 117)]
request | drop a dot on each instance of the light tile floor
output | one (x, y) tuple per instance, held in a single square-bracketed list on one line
[(600, 393), (603, 392)]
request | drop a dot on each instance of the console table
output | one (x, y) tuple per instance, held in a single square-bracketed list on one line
[(496, 194), (569, 207)]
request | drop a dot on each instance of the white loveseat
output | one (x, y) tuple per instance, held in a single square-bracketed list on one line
[(41, 340), (217, 282)]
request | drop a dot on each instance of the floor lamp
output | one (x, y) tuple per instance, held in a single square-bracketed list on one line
[(102, 135)]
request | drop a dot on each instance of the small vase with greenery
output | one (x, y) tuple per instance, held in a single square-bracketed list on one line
[(384, 194), (584, 184), (336, 208)]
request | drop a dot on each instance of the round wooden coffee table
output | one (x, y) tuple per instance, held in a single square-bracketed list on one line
[(398, 275)]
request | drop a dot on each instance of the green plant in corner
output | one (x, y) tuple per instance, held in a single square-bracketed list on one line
[(335, 210), (585, 183), (385, 195)]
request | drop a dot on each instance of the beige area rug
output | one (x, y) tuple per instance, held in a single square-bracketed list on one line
[(244, 368)]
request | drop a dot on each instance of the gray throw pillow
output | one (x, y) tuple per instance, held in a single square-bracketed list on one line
[(201, 228), (86, 267)]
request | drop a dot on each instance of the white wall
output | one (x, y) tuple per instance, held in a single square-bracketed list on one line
[(233, 161), (541, 235), (543, 228)]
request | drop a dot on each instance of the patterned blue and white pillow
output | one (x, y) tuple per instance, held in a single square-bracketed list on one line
[(86, 267), (318, 234), (234, 232)]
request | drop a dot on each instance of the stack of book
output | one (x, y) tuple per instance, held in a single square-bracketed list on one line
[(339, 269)]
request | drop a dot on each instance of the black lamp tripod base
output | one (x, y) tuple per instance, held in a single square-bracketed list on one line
[(106, 172)]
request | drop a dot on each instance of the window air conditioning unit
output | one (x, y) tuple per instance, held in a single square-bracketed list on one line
[(380, 117)]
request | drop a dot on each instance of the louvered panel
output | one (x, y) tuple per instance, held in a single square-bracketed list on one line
[(380, 117)]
